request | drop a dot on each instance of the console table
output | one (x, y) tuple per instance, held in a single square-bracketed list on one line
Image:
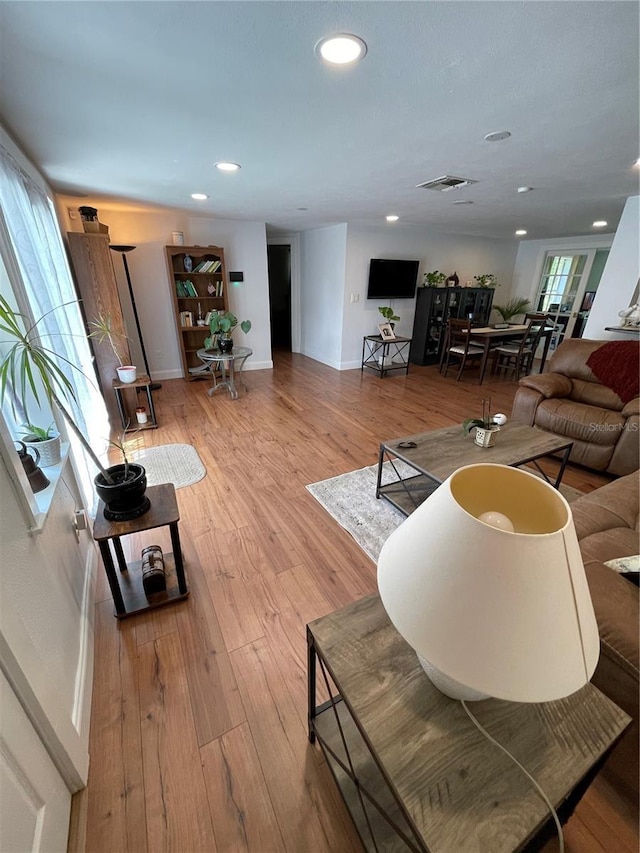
[(414, 771), (384, 355)]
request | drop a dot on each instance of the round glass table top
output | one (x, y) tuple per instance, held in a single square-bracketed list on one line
[(216, 355)]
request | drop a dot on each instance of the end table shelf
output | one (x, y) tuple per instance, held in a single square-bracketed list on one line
[(126, 587), (383, 356)]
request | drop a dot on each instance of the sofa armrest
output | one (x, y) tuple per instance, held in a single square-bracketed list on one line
[(548, 384), (631, 408)]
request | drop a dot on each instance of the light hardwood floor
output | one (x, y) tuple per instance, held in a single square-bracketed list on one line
[(198, 732)]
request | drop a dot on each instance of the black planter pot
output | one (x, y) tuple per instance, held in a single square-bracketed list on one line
[(225, 344), (123, 500)]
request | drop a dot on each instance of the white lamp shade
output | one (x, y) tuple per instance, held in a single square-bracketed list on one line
[(508, 614)]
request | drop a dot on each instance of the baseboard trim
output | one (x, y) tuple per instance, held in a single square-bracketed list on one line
[(81, 714)]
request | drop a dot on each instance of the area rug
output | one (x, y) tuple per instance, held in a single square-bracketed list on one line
[(351, 500), (171, 463)]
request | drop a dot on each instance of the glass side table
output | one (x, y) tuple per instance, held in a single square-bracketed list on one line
[(229, 364)]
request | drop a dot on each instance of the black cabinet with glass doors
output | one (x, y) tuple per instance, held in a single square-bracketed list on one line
[(434, 306)]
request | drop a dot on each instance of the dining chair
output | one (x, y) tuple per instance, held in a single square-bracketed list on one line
[(518, 356), (458, 345)]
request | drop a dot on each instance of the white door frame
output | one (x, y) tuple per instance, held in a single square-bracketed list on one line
[(590, 253), (292, 240)]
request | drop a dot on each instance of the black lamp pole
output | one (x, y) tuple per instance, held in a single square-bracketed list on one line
[(124, 249)]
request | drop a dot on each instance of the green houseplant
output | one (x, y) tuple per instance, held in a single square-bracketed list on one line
[(487, 280), (103, 331), (46, 440), (388, 314), (221, 326), (513, 307), (433, 279), (486, 426), (29, 367)]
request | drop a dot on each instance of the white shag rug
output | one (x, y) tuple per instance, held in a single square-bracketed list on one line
[(171, 463), (351, 500)]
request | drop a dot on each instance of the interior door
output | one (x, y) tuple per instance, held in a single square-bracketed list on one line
[(34, 800), (561, 289)]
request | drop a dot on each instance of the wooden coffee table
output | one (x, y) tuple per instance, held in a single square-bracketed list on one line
[(438, 453), (414, 771)]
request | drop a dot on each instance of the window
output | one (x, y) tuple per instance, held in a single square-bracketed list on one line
[(36, 270), (561, 289)]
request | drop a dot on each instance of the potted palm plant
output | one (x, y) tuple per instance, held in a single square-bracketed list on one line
[(221, 326), (103, 331), (514, 306), (32, 368)]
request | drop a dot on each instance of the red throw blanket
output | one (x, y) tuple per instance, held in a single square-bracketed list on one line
[(617, 365)]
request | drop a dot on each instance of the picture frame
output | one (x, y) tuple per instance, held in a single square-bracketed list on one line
[(386, 332)]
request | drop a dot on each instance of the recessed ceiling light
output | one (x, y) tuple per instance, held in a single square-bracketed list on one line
[(462, 201), (392, 218), (199, 196), (599, 223), (520, 232), (524, 189), (340, 49), (302, 208), (497, 136), (227, 167)]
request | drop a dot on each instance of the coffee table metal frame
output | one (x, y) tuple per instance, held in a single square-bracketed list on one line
[(406, 493)]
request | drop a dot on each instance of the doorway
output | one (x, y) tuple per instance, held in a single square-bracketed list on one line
[(279, 272)]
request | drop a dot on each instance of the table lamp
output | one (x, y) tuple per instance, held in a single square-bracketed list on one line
[(486, 582)]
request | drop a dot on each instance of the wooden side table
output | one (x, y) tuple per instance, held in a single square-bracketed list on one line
[(130, 423), (415, 772), (128, 594)]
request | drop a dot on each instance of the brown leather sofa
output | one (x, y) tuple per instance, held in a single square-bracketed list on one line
[(607, 525), (571, 402)]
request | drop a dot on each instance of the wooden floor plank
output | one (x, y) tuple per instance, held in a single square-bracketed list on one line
[(176, 805), (243, 816)]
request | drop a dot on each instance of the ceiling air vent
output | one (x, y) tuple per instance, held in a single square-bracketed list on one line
[(446, 183)]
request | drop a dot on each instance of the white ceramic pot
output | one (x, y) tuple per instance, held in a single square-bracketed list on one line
[(127, 374), (486, 437), (49, 451)]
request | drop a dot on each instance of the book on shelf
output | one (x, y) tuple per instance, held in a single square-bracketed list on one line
[(215, 266), (186, 318), (180, 291), (201, 266), (190, 288)]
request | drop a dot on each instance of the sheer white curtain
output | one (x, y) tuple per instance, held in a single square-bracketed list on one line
[(35, 238)]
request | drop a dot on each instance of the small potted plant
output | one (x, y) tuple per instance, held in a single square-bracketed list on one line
[(433, 279), (221, 326), (486, 280), (486, 427), (389, 315), (45, 440), (103, 331), (510, 310)]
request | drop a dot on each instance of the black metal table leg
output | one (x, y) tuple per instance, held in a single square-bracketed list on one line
[(311, 686)]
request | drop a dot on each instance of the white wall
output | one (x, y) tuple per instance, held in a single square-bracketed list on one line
[(531, 254), (149, 229), (322, 253), (620, 277), (467, 256)]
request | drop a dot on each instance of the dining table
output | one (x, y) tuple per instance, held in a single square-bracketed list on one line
[(486, 335)]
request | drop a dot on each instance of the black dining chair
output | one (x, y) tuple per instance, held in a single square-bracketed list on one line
[(518, 355), (458, 346)]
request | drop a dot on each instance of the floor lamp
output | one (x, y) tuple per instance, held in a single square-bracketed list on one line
[(123, 250)]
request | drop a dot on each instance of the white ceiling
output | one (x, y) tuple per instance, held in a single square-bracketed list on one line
[(137, 100)]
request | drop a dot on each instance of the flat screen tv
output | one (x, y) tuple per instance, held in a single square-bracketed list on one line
[(390, 279)]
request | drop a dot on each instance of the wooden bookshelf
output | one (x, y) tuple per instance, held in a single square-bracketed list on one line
[(195, 294)]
